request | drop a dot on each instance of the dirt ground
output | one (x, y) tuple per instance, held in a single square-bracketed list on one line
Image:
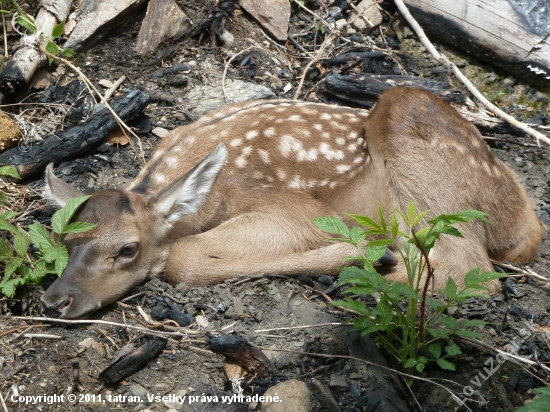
[(40, 366)]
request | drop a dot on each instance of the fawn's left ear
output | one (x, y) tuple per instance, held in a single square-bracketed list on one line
[(189, 193), (56, 191)]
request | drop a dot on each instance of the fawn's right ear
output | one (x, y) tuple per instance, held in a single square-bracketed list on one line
[(56, 191)]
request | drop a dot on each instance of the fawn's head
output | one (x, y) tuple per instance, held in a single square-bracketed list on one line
[(130, 241)]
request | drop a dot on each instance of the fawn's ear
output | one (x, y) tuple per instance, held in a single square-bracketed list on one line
[(189, 193), (56, 191)]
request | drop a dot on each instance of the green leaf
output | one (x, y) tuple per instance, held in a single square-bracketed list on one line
[(58, 30), (452, 349), (379, 243), (272, 289), (394, 226), (332, 224), (420, 367), (78, 227), (357, 235), (9, 215), (411, 213), (39, 236), (62, 260), (433, 303), (410, 363), (451, 289), (12, 265), (62, 217), (383, 226), (39, 271), (21, 243), (450, 230), (9, 171), (539, 404), (373, 253), (474, 322), (449, 322), (419, 218), (353, 305), (5, 250), (68, 53), (399, 290), (5, 225), (8, 286), (367, 222), (468, 334), (438, 333), (26, 23), (435, 349), (52, 47), (473, 277), (445, 364)]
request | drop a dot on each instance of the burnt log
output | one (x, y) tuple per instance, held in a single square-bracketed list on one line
[(362, 90), (75, 140), (132, 363), (238, 351), (511, 34)]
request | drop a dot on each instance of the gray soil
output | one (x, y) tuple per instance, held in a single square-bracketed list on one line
[(186, 366)]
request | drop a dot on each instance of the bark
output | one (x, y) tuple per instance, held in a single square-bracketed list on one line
[(76, 140)]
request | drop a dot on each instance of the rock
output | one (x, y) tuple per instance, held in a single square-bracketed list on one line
[(91, 343), (40, 80), (138, 390), (152, 34), (160, 132), (338, 381), (293, 395), (10, 133), (207, 98), (370, 19), (178, 406), (273, 15), (97, 19)]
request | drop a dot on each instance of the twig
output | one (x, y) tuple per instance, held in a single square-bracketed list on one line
[(182, 334), (41, 336), (91, 86), (386, 368), (3, 403), (456, 71), (524, 272), (300, 327), (5, 36), (113, 88), (315, 59), (227, 66)]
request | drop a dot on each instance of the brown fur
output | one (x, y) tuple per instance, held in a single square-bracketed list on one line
[(289, 162)]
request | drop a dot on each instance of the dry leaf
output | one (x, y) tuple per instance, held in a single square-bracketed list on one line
[(117, 137)]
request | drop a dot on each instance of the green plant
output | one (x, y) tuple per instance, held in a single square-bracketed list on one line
[(414, 335), (51, 257), (540, 404)]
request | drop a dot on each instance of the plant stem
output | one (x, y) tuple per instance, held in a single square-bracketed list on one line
[(429, 277)]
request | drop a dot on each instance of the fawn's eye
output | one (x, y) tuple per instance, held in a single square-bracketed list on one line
[(128, 250)]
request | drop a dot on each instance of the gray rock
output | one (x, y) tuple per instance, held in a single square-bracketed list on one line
[(273, 15), (293, 395), (206, 98)]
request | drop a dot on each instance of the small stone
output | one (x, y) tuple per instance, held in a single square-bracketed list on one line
[(293, 395), (227, 37), (370, 19), (338, 381), (138, 390), (160, 132)]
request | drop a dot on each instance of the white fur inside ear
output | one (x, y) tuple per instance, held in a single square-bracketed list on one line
[(47, 194), (188, 194), (56, 191)]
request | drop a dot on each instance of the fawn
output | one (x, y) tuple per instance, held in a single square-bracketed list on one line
[(234, 194)]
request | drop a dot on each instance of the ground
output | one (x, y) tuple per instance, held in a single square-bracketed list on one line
[(186, 366)]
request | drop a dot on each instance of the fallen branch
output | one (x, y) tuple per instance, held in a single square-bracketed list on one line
[(523, 272), (441, 58)]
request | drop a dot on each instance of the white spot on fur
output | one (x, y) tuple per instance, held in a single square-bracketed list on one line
[(177, 149), (270, 178), (325, 116), (329, 153), (352, 147), (172, 162), (157, 154), (324, 182), (251, 134), (258, 175), (269, 132), (159, 178), (352, 135), (332, 185), (296, 118), (264, 155), (297, 183), (290, 144), (325, 135), (318, 126), (279, 121), (357, 160), (342, 168), (363, 114), (241, 161), (224, 133), (340, 141), (236, 142), (281, 174), (337, 116)]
